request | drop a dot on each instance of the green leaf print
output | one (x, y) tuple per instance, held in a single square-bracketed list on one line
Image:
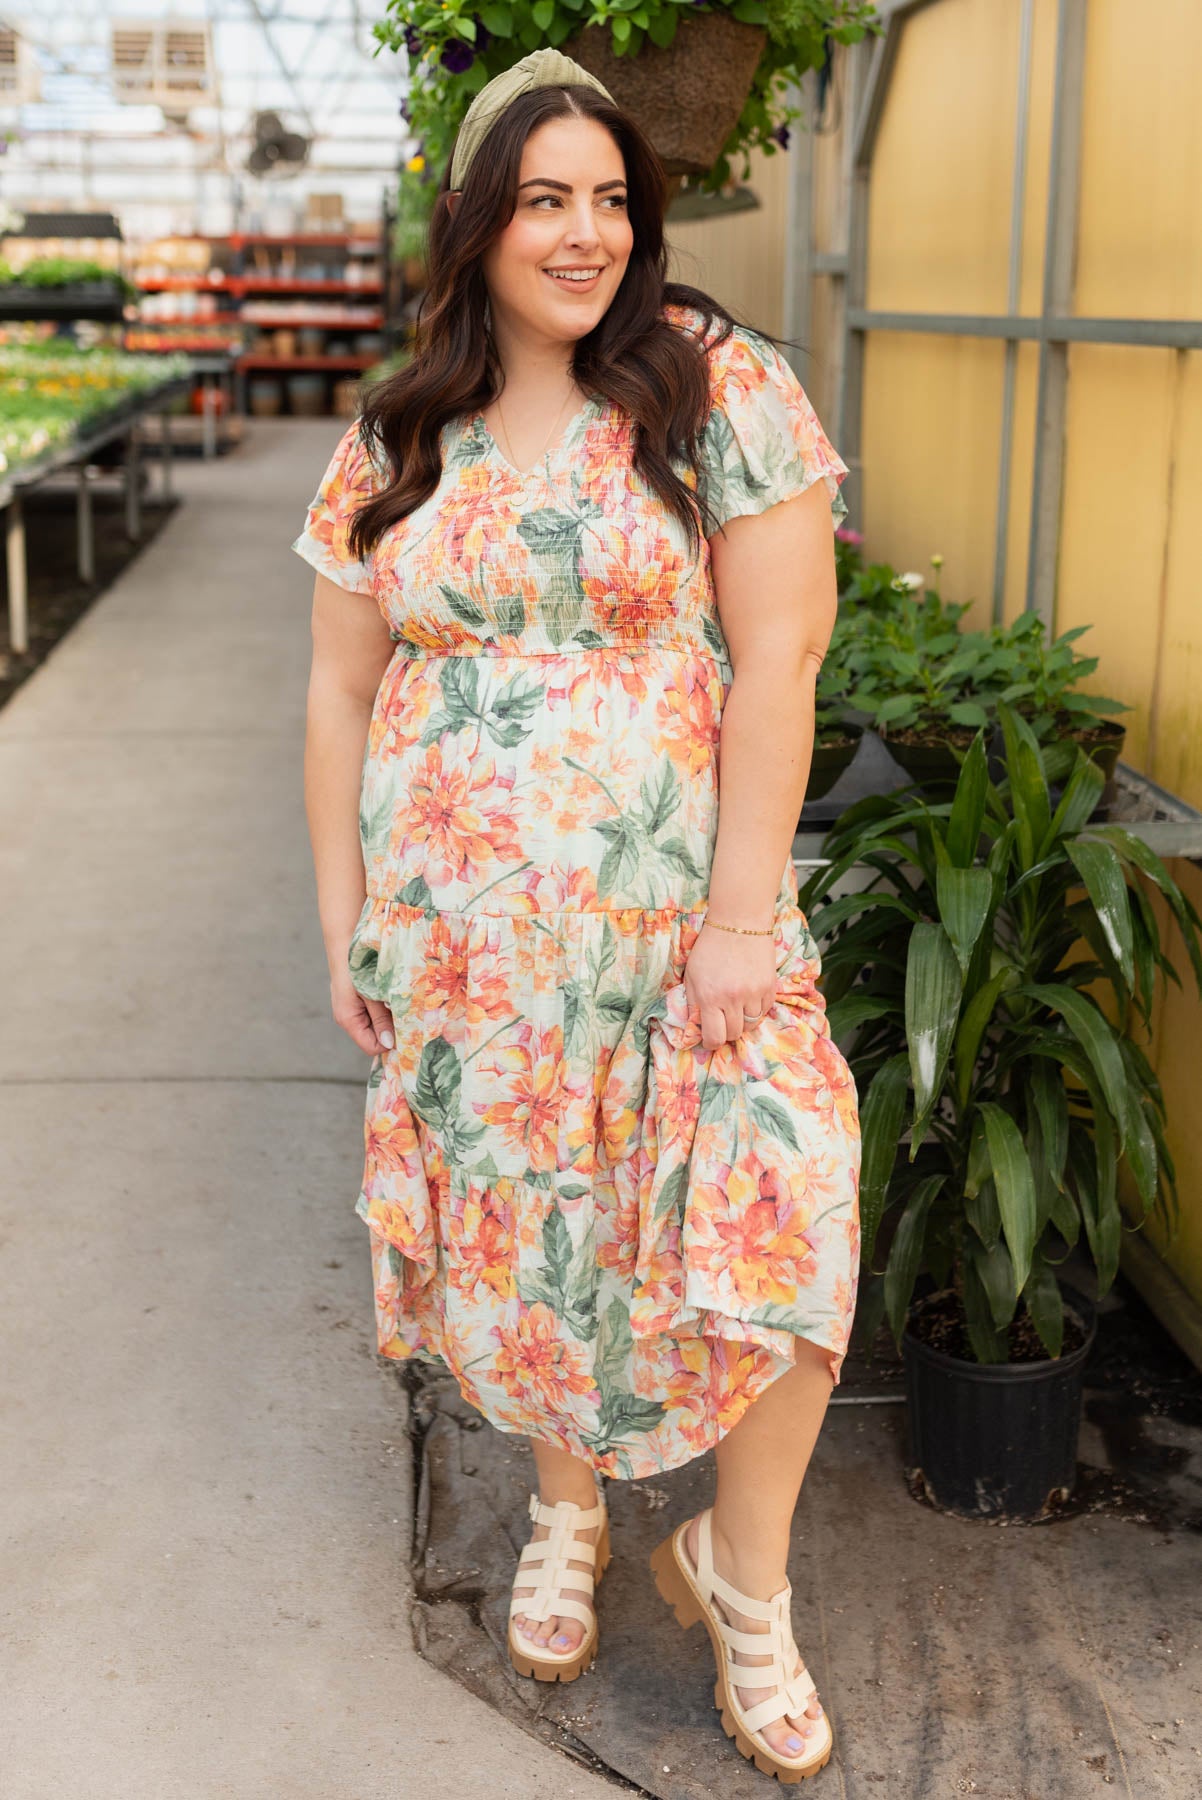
[(717, 1098), (590, 640), (603, 956), (567, 1281), (676, 853), (463, 608), (511, 614), (572, 1015), (771, 1117), (518, 700), (621, 1414), (671, 1196), (660, 794), (503, 718), (549, 532), (614, 1345), (712, 630), (436, 1092), (436, 1100), (621, 860), (575, 1190), (614, 1006), (416, 892)]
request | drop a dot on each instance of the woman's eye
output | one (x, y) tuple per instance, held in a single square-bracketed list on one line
[(617, 200)]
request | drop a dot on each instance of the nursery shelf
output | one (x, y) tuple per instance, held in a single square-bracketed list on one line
[(1159, 819)]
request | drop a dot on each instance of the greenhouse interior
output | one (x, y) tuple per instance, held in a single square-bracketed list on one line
[(255, 1550)]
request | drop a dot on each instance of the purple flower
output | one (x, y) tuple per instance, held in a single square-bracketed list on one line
[(413, 41), (483, 37), (781, 134), (457, 56)]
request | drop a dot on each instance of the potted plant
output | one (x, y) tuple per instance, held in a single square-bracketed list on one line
[(991, 985), (1040, 679), (914, 674), (705, 81)]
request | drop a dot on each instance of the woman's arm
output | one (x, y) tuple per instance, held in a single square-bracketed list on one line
[(774, 579), (351, 650)]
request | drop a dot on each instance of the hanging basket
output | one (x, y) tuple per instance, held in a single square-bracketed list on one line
[(687, 98)]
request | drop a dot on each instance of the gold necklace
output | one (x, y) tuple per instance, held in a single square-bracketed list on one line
[(546, 440)]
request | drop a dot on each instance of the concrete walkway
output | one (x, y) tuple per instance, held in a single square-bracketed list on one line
[(205, 1507)]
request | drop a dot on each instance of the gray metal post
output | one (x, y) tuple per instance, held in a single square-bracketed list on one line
[(85, 536), (164, 419), (1058, 275), (18, 589), (133, 485), (1026, 32), (796, 307), (208, 418)]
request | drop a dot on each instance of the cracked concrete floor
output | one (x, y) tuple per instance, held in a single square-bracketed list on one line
[(1058, 1661)]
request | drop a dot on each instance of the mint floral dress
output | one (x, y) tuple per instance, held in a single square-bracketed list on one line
[(612, 1236)]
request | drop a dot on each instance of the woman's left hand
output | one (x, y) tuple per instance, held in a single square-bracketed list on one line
[(731, 980)]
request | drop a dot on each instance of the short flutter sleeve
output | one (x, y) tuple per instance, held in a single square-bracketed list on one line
[(350, 479), (763, 442)]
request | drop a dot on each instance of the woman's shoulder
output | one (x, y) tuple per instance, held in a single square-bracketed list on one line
[(738, 357)]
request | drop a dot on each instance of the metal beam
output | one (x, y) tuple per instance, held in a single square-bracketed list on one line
[(1059, 268), (1153, 334), (1013, 297)]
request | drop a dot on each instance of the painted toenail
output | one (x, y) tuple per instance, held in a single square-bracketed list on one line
[(793, 1743)]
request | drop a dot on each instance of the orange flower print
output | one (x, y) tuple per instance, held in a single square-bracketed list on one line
[(389, 1135), (531, 1075), (613, 1238), (537, 1361), (483, 1252), (459, 822), (453, 982), (740, 1233)]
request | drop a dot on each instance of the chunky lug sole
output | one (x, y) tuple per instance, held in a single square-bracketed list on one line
[(674, 1579), (573, 1663)]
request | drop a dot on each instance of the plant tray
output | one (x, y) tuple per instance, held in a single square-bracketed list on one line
[(103, 301)]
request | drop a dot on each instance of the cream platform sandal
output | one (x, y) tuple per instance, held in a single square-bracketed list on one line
[(561, 1592), (690, 1592)]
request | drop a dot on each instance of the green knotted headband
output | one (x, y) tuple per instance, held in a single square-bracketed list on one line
[(542, 68)]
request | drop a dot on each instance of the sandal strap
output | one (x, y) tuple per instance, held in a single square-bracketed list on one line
[(792, 1693), (559, 1590), (581, 1518)]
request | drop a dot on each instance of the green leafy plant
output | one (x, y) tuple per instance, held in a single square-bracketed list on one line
[(455, 46), (1040, 679), (991, 984)]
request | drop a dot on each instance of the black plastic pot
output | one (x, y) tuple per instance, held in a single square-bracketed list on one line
[(995, 1440), (932, 764), (830, 760)]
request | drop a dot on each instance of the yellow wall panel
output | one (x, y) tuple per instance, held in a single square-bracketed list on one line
[(740, 259), (939, 211), (1022, 461), (932, 413), (1114, 519), (1176, 726), (1140, 242), (1039, 148)]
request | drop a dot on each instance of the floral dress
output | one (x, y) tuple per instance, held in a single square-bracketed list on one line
[(612, 1236)]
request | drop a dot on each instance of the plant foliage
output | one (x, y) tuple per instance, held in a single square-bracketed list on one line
[(991, 984)]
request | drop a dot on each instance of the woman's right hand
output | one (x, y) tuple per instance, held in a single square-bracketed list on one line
[(368, 1022)]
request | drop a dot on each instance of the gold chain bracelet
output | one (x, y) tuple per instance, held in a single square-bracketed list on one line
[(743, 930)]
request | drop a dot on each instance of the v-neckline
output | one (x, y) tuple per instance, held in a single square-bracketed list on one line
[(593, 403)]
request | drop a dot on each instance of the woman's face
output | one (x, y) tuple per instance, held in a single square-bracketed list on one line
[(571, 216)]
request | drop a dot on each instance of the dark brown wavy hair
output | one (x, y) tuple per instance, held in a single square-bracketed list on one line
[(632, 356)]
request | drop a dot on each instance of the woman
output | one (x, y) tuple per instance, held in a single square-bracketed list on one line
[(612, 1152)]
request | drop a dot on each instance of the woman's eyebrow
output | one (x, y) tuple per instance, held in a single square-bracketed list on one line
[(563, 186)]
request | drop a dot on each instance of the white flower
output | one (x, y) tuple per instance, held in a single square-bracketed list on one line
[(909, 583)]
